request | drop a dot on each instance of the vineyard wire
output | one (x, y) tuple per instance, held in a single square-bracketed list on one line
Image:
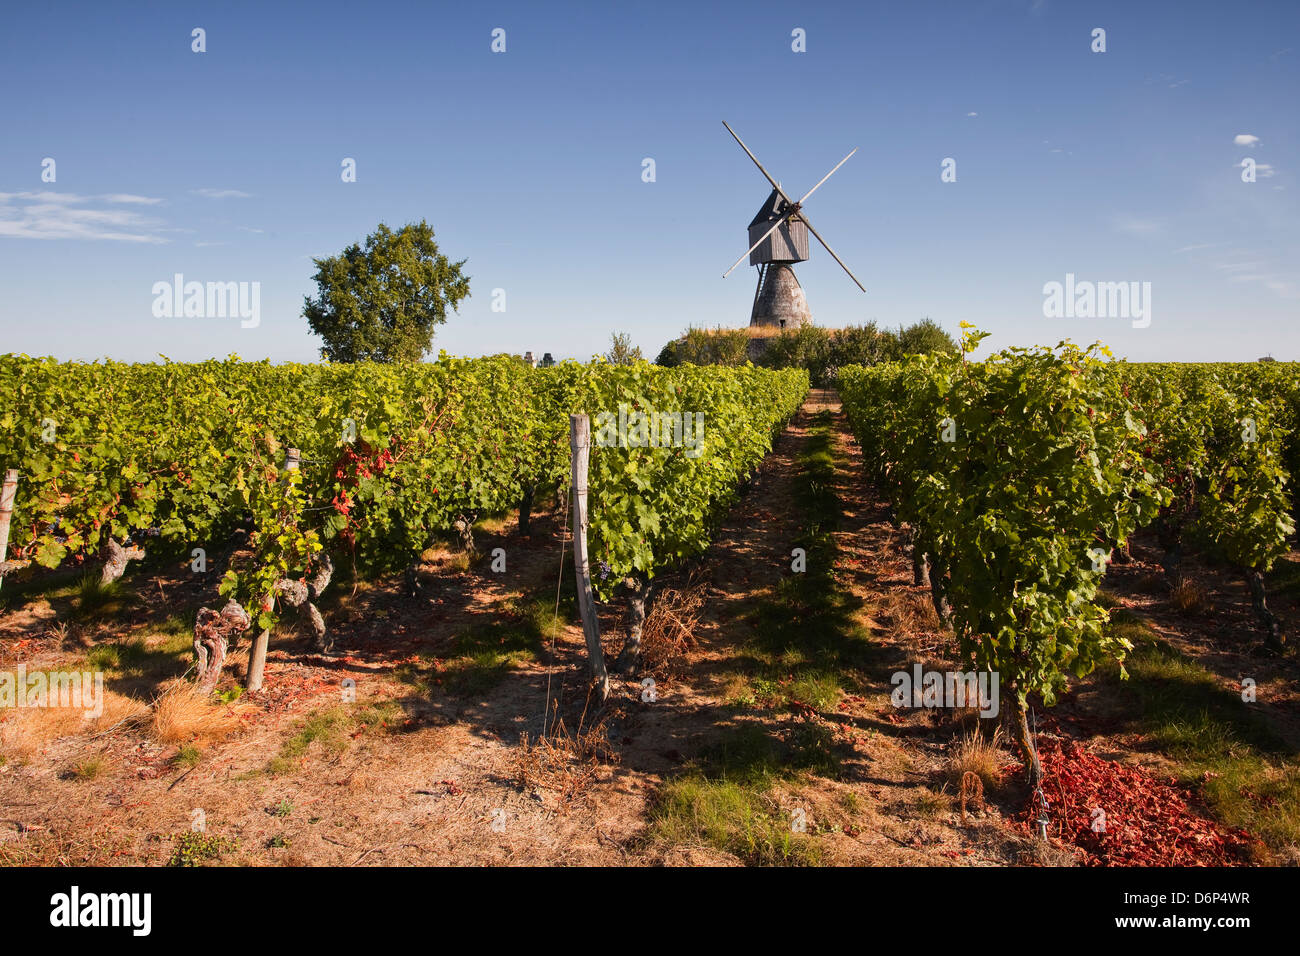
[(550, 661)]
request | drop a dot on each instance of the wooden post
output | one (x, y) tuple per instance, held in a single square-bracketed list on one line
[(580, 450), (257, 655), (6, 512)]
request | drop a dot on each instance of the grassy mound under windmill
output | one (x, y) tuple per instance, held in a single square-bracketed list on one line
[(818, 349)]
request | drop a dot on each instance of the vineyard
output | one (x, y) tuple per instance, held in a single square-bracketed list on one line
[(765, 564), (1021, 475), (176, 458)]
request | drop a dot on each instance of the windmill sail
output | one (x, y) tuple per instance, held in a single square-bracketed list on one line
[(778, 237)]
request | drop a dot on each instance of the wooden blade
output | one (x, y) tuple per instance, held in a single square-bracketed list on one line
[(804, 217), (759, 243), (828, 176), (775, 184)]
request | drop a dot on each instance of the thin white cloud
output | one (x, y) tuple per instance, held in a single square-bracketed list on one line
[(209, 193), (51, 215), (131, 199), (1241, 265), (1168, 79), (251, 229), (1245, 139), (972, 114), (46, 195), (1137, 227), (1199, 245), (1280, 284), (113, 217)]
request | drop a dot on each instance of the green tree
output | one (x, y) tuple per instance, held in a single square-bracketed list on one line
[(668, 354), (707, 347), (380, 303), (622, 351), (862, 345), (925, 337), (808, 347)]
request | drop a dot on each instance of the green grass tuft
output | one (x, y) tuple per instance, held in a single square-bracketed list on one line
[(724, 801), (89, 769), (331, 730), (95, 599)]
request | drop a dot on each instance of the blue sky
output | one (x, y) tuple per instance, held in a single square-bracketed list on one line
[(225, 166)]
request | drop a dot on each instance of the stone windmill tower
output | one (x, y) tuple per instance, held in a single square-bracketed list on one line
[(779, 238)]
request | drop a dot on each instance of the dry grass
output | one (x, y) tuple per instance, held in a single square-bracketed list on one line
[(493, 525), (27, 731), (932, 804), (910, 614), (360, 779), (182, 716), (669, 629), (458, 562), (97, 844), (771, 331), (176, 716), (1189, 597), (1036, 852), (973, 753), (566, 763)]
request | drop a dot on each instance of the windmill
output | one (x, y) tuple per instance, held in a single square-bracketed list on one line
[(779, 237)]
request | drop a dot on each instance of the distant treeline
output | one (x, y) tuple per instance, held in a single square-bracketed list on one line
[(819, 350)]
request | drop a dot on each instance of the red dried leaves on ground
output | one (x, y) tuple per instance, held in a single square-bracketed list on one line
[(1117, 815)]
